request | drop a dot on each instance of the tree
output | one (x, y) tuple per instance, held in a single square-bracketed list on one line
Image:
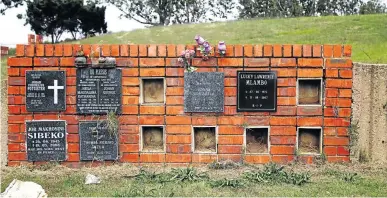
[(222, 9), (373, 7), (7, 4), (92, 20)]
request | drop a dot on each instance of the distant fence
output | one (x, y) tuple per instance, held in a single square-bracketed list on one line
[(370, 111)]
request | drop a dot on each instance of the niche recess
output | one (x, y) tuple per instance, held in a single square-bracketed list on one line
[(309, 92), (204, 139), (152, 139), (257, 140), (309, 140), (152, 91)]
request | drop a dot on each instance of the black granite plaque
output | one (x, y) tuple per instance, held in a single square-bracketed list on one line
[(257, 91), (203, 92), (96, 141), (98, 91), (45, 91), (46, 140)]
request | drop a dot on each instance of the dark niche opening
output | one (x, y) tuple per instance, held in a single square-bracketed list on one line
[(152, 90), (152, 139), (309, 91), (257, 140), (204, 139), (309, 140)]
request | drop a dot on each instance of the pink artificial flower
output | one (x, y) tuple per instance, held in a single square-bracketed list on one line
[(182, 53), (199, 40), (221, 46), (192, 52), (180, 60), (187, 55)]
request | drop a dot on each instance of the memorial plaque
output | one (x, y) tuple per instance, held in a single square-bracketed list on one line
[(203, 92), (96, 141), (45, 91), (46, 140), (257, 91), (98, 91)]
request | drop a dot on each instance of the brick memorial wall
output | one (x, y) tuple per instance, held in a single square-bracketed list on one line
[(258, 103)]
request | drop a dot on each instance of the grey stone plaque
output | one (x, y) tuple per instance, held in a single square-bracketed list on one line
[(45, 91), (98, 91), (203, 92), (96, 143), (46, 140)]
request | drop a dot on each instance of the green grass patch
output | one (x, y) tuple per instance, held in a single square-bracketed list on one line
[(3, 64), (128, 181), (366, 33)]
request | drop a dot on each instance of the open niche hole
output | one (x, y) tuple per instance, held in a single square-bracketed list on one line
[(204, 139), (309, 91), (257, 140), (152, 139), (309, 140), (152, 90)]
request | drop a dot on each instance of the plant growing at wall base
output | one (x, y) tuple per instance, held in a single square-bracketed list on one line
[(112, 123)]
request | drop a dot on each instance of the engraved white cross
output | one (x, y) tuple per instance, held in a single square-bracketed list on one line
[(55, 88)]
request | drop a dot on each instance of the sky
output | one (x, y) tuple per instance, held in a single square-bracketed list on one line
[(13, 31)]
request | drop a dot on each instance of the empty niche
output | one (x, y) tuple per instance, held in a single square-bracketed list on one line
[(204, 139), (152, 139), (257, 140), (309, 140), (152, 90), (309, 92)]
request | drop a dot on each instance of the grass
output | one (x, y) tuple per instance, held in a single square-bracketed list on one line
[(3, 64), (120, 181), (366, 34)]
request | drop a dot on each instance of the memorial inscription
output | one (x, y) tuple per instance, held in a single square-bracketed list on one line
[(257, 91), (45, 91), (96, 143), (46, 140), (98, 91), (203, 92)]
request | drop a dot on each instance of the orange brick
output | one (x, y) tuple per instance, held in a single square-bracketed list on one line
[(338, 63), (175, 100), (17, 156), (178, 139), (162, 50), (46, 62), (282, 159), (115, 50), (76, 49), (152, 72), (105, 50), (343, 122), (257, 159), (203, 158), (267, 50), (230, 62), (309, 111), (285, 82), (286, 101), (39, 49), (337, 51), (283, 121), (345, 93), (309, 73), (152, 157), (331, 92), (257, 62), (152, 110), (328, 51), (230, 120), (283, 140), (13, 90), (297, 50), (285, 72), (306, 50), (129, 100), (331, 73), (129, 138), (203, 120), (124, 50), (178, 148), (310, 62), (151, 120), (204, 63), (283, 62), (258, 50), (129, 148), (133, 50), (178, 158), (130, 72), (283, 130), (338, 83), (285, 110), (152, 50), (317, 51), (175, 91), (171, 49), (131, 110), (178, 129), (49, 50), (309, 121), (67, 50), (152, 62), (289, 91), (20, 62), (30, 50), (230, 130), (287, 50), (282, 150), (277, 50), (347, 51), (13, 71), (345, 112), (336, 141), (345, 73), (127, 62), (229, 149), (143, 50), (58, 50), (248, 50), (20, 50), (257, 121), (238, 50), (130, 91), (178, 120), (130, 157), (230, 139)]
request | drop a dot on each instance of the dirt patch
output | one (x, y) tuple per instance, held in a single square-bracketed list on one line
[(153, 139), (205, 140), (309, 91), (153, 90), (309, 140), (257, 140)]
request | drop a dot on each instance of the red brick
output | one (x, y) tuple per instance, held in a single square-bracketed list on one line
[(328, 51), (152, 62), (175, 91), (229, 149), (178, 139), (337, 51), (230, 139), (338, 63), (310, 62), (297, 50), (175, 72), (152, 157), (338, 102), (345, 93), (257, 121), (46, 62), (330, 150), (277, 50), (20, 50), (248, 50), (338, 159), (133, 50), (18, 119), (283, 62), (336, 122), (306, 50), (175, 110), (317, 51), (203, 121), (285, 110), (258, 50), (230, 62), (287, 50), (152, 110), (345, 73), (282, 159), (345, 112), (152, 72), (129, 138), (281, 130), (336, 141), (16, 100), (178, 120), (230, 130), (115, 50), (283, 121), (14, 128), (286, 101), (286, 82), (39, 49), (338, 83), (282, 140), (331, 92), (309, 73), (347, 51), (17, 156), (178, 129), (257, 159), (282, 150), (267, 50), (124, 50), (16, 81), (129, 148), (342, 131), (171, 49), (238, 50), (13, 90), (257, 62), (178, 148), (289, 91), (151, 120), (21, 62), (309, 121), (285, 72), (178, 158), (331, 73), (230, 120), (303, 111), (203, 158), (130, 157), (30, 50), (127, 62)]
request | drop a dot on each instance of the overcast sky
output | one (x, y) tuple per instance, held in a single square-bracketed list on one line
[(13, 31)]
